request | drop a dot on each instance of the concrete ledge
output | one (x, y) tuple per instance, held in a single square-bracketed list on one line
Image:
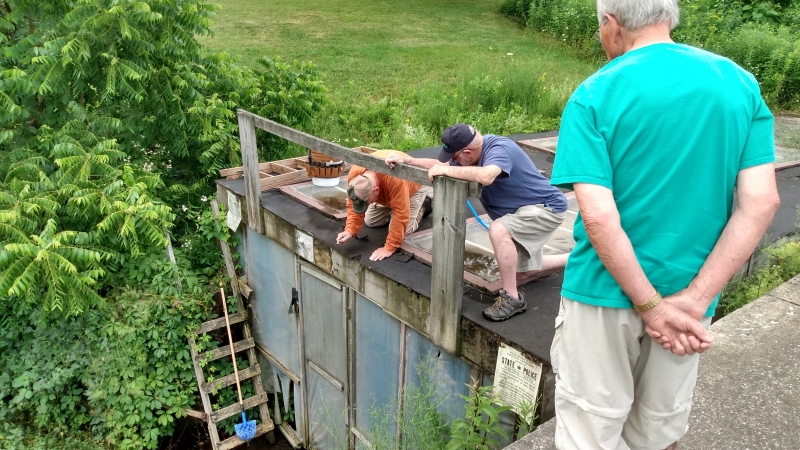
[(748, 388)]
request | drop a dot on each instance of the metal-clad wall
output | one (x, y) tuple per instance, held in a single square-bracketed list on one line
[(271, 274), (377, 364), (450, 375), (322, 303)]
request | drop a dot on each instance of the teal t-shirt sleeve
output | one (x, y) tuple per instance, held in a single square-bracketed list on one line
[(760, 145), (581, 154)]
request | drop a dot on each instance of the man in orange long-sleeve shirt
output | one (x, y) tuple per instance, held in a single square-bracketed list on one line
[(375, 198)]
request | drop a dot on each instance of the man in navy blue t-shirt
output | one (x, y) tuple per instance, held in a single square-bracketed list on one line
[(525, 209)]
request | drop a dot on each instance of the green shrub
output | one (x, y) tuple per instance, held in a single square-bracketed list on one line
[(120, 372), (517, 9), (783, 264), (572, 22), (759, 35)]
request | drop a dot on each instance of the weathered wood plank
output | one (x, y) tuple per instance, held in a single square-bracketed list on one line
[(280, 168), (234, 409), (234, 441), (252, 357), (198, 372), (216, 324), (238, 172), (449, 233), (290, 435), (228, 380), (245, 289), (196, 414), (373, 163), (252, 185), (278, 364), (226, 351), (283, 180)]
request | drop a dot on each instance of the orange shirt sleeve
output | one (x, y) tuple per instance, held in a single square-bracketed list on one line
[(354, 221), (398, 198)]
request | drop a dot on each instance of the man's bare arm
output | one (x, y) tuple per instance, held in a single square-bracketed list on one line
[(483, 175), (402, 158), (602, 222)]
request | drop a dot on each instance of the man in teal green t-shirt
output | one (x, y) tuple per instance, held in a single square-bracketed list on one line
[(653, 145)]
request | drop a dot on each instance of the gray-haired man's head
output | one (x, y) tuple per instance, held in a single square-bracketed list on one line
[(635, 14)]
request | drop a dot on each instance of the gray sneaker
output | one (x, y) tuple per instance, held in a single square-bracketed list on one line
[(505, 307)]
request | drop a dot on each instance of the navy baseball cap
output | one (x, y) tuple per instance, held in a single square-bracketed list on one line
[(455, 138)]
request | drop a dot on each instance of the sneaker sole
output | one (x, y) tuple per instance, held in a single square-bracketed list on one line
[(503, 319)]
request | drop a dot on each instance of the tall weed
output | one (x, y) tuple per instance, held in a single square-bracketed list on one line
[(421, 425)]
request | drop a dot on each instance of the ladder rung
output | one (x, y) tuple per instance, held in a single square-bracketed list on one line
[(228, 380), (215, 324), (234, 440), (234, 409), (226, 351)]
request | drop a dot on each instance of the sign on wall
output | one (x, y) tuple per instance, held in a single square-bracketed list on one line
[(516, 378), (234, 215)]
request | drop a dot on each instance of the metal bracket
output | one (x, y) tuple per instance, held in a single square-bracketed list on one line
[(294, 306)]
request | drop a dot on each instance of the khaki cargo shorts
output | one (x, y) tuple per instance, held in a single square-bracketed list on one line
[(531, 227), (616, 389)]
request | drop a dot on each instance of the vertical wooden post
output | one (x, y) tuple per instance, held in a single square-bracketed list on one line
[(252, 181), (449, 233)]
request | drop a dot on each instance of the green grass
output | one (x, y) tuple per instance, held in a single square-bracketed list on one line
[(388, 63)]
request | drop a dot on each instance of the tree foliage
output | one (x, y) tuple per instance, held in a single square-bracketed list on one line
[(113, 117), (114, 121)]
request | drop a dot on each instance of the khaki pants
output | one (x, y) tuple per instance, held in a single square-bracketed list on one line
[(531, 227), (616, 389), (378, 215)]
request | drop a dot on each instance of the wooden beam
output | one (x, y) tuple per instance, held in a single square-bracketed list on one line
[(201, 380), (234, 409), (219, 383), (449, 233), (216, 324), (212, 355), (234, 441), (196, 414), (252, 185), (368, 161)]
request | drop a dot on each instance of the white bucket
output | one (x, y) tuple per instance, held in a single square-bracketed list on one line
[(319, 181)]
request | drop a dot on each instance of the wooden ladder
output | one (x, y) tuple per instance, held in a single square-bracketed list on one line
[(252, 372)]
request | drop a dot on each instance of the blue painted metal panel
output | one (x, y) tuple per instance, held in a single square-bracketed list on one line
[(323, 325), (377, 362), (322, 307), (271, 274), (450, 374)]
